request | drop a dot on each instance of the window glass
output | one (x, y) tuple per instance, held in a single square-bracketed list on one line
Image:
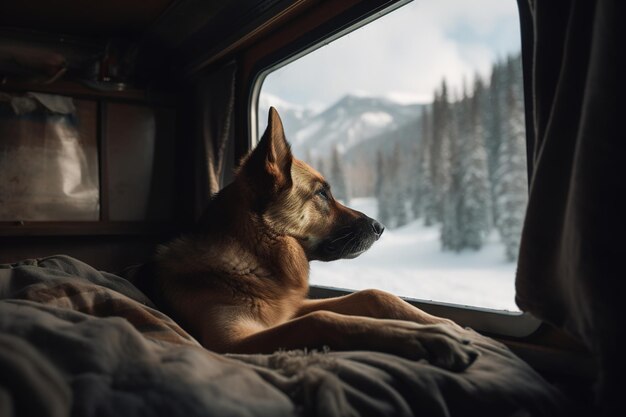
[(417, 120), (48, 158)]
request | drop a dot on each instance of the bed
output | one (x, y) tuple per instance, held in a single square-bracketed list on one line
[(75, 341)]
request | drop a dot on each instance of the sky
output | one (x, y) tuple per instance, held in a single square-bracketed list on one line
[(405, 54)]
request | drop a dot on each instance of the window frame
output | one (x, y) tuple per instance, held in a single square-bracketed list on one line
[(511, 324)]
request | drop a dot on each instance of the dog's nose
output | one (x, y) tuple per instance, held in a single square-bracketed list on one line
[(377, 227)]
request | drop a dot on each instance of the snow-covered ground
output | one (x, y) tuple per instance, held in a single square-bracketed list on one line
[(408, 261)]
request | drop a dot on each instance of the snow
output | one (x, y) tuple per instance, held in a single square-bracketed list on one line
[(378, 119), (408, 261)]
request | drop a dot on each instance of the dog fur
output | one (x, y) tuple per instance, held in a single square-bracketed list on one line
[(239, 283)]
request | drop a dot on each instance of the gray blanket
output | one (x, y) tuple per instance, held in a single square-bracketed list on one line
[(78, 342)]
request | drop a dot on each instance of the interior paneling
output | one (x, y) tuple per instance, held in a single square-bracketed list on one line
[(111, 17), (140, 155)]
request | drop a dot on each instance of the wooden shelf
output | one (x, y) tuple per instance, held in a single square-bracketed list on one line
[(78, 90)]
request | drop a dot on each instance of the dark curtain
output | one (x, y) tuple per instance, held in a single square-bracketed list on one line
[(573, 251), (215, 98)]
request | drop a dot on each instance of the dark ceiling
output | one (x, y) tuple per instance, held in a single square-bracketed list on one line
[(83, 18), (156, 35), (171, 21)]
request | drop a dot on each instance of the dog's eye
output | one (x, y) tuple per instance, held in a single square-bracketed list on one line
[(323, 192)]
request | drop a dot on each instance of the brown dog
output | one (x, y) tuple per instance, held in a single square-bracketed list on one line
[(239, 284)]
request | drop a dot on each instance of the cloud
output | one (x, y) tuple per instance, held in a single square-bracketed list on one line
[(405, 53)]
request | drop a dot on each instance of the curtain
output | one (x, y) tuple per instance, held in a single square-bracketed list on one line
[(215, 98), (573, 247)]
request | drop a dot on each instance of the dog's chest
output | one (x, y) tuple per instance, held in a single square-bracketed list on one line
[(277, 311)]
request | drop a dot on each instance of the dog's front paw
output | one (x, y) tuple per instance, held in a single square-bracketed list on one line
[(445, 347), (441, 345)]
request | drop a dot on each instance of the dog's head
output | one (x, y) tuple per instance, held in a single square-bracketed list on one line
[(294, 199)]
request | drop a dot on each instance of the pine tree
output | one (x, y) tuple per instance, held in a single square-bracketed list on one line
[(511, 187), (380, 169), (416, 176), (450, 174), (440, 149), (493, 111), (436, 158), (398, 188), (421, 201), (474, 177), (427, 193), (337, 178), (382, 190)]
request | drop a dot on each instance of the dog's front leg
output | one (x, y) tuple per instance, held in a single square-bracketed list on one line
[(373, 303), (439, 344)]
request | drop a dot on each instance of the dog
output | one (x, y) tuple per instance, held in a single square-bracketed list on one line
[(239, 282)]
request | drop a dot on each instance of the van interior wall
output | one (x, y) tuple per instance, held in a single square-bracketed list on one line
[(145, 194), (135, 74), (144, 176), (125, 62), (107, 253)]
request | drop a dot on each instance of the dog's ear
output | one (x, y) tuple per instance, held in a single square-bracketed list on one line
[(272, 156)]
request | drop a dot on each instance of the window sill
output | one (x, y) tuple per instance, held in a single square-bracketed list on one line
[(499, 322)]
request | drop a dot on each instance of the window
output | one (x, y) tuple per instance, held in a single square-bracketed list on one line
[(417, 120)]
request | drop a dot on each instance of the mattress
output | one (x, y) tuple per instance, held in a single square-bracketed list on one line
[(75, 341)]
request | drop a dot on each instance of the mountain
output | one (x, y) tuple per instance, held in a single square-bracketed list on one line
[(406, 136), (349, 122), (294, 117), (346, 124)]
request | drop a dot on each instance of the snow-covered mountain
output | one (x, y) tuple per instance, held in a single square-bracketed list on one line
[(347, 123), (294, 116)]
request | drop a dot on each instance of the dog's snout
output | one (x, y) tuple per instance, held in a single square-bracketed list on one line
[(377, 227)]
